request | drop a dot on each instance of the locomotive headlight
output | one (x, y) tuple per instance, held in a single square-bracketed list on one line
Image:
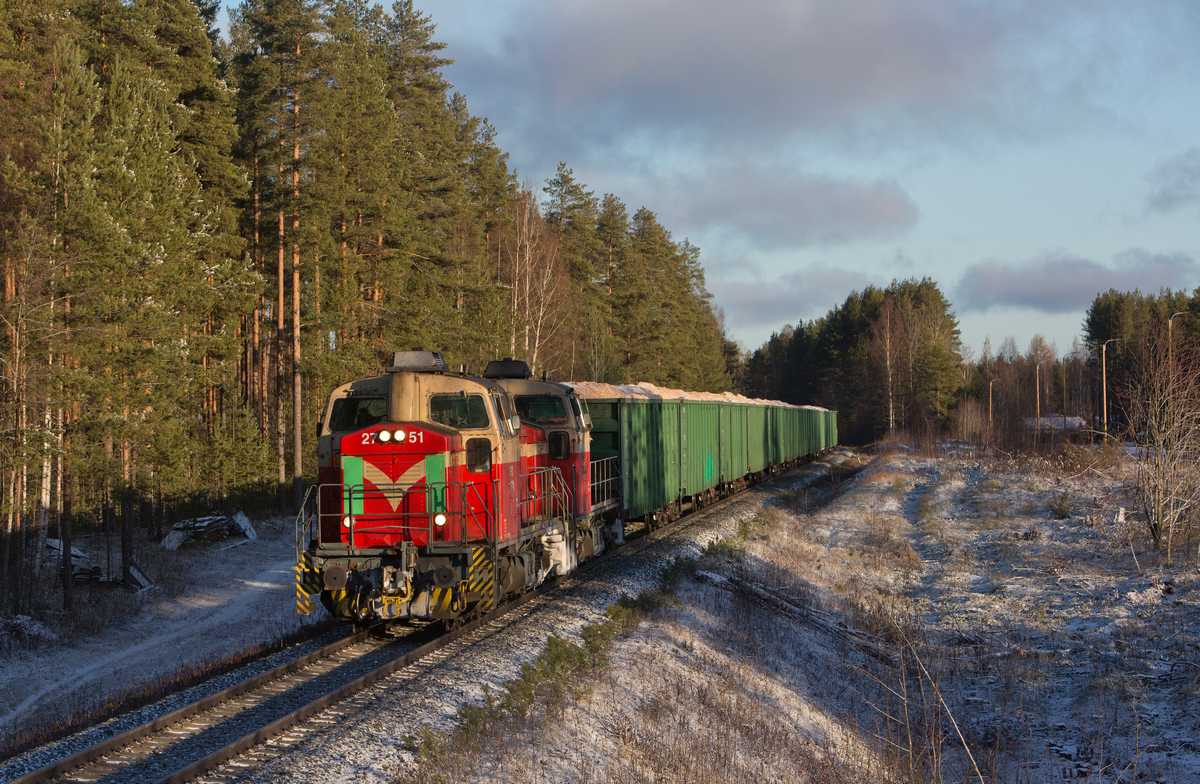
[(439, 519), (346, 521), (399, 434), (385, 436)]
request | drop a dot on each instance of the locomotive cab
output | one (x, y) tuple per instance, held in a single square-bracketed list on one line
[(425, 510), (556, 433)]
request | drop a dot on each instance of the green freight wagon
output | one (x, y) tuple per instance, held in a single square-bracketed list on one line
[(735, 447), (645, 434), (700, 446), (758, 438), (672, 449)]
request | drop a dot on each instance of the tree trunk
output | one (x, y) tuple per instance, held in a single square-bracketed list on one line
[(65, 536), (280, 423), (297, 400)]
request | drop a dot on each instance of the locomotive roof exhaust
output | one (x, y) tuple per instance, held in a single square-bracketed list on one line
[(507, 368), (427, 361)]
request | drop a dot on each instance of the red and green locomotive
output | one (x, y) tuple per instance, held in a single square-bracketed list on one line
[(439, 494)]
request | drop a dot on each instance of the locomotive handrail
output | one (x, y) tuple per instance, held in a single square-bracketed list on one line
[(606, 483), (549, 498), (464, 504), (305, 519)]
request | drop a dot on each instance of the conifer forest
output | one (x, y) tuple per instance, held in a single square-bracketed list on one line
[(203, 234)]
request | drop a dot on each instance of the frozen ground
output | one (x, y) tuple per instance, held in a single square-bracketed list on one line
[(214, 602), (1065, 649), (1053, 649)]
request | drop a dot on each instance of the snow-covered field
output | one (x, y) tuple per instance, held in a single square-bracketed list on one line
[(1052, 649)]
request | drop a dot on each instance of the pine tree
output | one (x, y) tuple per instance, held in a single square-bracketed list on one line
[(78, 233), (492, 188), (33, 38), (601, 332), (571, 211), (281, 93), (430, 189)]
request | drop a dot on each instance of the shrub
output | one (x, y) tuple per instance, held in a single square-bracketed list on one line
[(1060, 505)]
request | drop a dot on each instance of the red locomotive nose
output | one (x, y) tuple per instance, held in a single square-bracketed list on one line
[(399, 484)]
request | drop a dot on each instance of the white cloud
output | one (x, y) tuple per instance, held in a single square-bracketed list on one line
[(757, 307), (770, 209), (582, 77)]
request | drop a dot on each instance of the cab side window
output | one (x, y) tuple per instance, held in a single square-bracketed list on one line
[(479, 455), (542, 409), (502, 418), (560, 445), (355, 413)]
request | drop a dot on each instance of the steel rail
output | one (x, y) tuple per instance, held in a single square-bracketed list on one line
[(284, 723), (182, 714)]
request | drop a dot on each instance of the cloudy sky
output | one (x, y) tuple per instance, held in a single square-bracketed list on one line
[(1025, 154)]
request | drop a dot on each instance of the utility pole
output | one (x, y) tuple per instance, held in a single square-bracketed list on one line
[(1170, 342), (993, 381), (1104, 380), (1037, 396)]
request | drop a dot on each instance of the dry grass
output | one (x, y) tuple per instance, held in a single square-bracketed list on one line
[(867, 676)]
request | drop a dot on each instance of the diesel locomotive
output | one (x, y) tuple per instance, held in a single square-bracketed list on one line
[(441, 494)]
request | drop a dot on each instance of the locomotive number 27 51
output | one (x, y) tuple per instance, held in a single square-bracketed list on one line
[(415, 437)]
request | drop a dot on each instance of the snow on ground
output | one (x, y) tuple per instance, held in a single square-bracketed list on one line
[(1063, 646), (214, 603)]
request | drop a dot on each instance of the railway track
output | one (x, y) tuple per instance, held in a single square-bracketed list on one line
[(197, 738), (262, 717)]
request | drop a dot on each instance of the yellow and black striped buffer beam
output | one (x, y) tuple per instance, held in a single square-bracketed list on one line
[(308, 583), (440, 602), (481, 578)]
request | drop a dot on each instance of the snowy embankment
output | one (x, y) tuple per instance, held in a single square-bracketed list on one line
[(233, 599), (1042, 637)]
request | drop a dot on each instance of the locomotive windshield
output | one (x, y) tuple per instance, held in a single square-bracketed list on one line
[(467, 412), (355, 413), (542, 409)]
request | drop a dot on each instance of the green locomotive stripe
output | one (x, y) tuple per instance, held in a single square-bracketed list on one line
[(435, 482), (352, 481)]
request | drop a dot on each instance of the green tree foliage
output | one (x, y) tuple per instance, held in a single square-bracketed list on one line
[(1125, 323), (1125, 320), (885, 359)]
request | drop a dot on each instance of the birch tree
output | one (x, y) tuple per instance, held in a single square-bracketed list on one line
[(1164, 419)]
